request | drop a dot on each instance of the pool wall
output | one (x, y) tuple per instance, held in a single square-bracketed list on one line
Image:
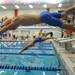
[(59, 59), (64, 61)]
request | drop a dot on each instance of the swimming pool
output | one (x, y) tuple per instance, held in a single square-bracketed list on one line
[(38, 60)]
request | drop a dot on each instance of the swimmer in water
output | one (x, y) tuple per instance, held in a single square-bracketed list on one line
[(50, 18), (42, 37)]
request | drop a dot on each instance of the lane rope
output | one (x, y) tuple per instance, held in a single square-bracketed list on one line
[(27, 54), (29, 68), (29, 49)]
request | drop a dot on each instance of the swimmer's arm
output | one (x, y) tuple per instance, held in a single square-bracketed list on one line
[(40, 32), (10, 26), (29, 19), (24, 20), (5, 28)]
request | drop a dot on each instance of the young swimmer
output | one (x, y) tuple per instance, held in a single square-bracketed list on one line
[(42, 37), (52, 19)]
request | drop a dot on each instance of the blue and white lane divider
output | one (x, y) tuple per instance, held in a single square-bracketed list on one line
[(31, 54), (29, 68), (15, 43), (24, 41), (28, 49), (21, 46)]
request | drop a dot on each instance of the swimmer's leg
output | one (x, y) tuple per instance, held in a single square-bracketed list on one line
[(47, 34), (50, 34), (28, 46)]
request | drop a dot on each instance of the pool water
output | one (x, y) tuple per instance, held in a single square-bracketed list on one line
[(41, 55), (9, 72)]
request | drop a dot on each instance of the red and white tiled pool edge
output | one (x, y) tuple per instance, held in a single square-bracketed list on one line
[(65, 58)]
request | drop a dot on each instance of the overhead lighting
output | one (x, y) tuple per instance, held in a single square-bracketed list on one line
[(45, 5), (52, 1), (60, 5), (17, 7), (1, 1), (30, 6), (30, 1), (4, 7), (1, 72)]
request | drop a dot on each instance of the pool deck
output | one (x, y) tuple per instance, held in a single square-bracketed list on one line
[(67, 58)]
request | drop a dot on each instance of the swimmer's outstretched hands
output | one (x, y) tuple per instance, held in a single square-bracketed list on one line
[(24, 20), (9, 24)]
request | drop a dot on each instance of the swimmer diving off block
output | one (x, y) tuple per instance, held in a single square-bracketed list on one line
[(52, 19), (42, 37)]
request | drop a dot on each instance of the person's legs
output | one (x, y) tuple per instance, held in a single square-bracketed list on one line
[(49, 33), (28, 46)]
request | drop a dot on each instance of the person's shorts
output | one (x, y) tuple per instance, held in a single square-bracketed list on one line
[(38, 39), (50, 19)]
